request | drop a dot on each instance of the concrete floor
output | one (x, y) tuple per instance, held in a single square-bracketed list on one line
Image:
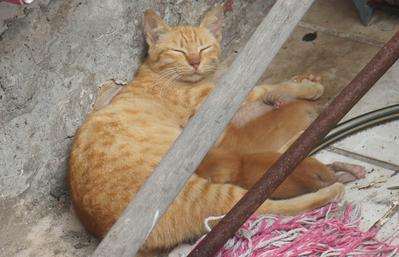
[(342, 47)]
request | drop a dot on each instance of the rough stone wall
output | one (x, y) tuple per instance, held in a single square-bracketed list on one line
[(51, 61)]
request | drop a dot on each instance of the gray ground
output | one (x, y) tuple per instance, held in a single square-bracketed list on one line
[(54, 53)]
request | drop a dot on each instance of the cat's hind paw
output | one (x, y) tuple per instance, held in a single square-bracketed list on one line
[(347, 172)]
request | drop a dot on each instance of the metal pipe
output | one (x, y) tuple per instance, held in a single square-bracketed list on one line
[(312, 136)]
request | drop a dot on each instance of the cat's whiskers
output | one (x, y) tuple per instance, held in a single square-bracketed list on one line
[(209, 67), (165, 75), (184, 69), (169, 83)]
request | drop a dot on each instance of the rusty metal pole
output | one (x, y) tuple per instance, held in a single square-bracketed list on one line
[(326, 121)]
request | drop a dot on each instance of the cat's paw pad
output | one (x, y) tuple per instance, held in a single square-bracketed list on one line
[(310, 87), (310, 77)]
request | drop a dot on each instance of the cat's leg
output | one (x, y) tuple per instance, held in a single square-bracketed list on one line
[(309, 176), (270, 132), (299, 87), (245, 170), (184, 220)]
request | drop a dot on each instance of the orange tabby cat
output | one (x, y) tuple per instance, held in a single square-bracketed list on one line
[(118, 146)]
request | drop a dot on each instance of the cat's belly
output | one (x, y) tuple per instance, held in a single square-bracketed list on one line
[(110, 160), (107, 168)]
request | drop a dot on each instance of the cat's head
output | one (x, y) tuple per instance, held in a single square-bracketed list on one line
[(188, 53)]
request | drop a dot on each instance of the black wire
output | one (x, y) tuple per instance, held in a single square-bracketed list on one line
[(359, 123)]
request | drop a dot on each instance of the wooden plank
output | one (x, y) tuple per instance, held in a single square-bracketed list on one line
[(150, 203)]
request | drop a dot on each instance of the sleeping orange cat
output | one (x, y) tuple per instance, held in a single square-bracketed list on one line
[(119, 145)]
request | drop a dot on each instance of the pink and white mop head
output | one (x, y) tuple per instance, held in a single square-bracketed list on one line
[(329, 231)]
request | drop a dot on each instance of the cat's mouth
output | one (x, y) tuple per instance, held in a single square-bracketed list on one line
[(194, 77)]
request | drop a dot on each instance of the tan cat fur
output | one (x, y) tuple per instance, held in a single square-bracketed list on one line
[(118, 146)]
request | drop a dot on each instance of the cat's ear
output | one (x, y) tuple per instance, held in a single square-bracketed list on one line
[(154, 26), (213, 21)]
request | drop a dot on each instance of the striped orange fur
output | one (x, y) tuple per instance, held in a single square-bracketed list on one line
[(118, 146)]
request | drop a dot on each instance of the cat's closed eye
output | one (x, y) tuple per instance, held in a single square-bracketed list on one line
[(204, 48), (200, 50), (179, 51)]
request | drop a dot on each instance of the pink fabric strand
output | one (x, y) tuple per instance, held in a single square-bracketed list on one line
[(328, 231), (14, 1)]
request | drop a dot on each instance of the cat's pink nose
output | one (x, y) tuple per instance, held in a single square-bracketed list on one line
[(194, 60), (195, 65)]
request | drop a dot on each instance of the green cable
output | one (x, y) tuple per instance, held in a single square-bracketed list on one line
[(359, 123)]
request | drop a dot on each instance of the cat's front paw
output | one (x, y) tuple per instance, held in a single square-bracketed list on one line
[(275, 99), (309, 86), (311, 77)]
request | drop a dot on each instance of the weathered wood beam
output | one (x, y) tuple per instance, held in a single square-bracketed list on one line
[(165, 183)]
